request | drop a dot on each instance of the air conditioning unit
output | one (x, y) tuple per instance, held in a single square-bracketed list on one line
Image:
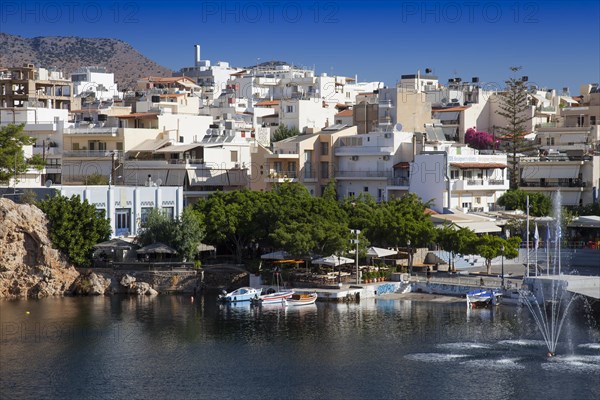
[(386, 158), (354, 158)]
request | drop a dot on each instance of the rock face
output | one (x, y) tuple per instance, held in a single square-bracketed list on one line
[(29, 266), (91, 284)]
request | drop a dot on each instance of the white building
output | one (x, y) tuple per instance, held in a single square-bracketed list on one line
[(456, 176), (128, 206), (374, 163), (96, 81)]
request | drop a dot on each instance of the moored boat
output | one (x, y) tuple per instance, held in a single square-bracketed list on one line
[(298, 299), (241, 294), (274, 298), (483, 297)]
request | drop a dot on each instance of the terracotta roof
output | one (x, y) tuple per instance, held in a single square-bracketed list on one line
[(429, 211), (450, 109), (166, 79), (341, 106), (401, 165), (467, 165), (267, 103), (241, 73), (345, 113), (138, 115)]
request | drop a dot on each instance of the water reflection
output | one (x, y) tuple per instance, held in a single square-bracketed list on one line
[(171, 346)]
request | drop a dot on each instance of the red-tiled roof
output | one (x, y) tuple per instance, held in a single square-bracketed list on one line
[(401, 165), (267, 103), (467, 165), (138, 115), (449, 109), (345, 113)]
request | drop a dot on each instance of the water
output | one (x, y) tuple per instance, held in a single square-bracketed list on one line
[(168, 347)]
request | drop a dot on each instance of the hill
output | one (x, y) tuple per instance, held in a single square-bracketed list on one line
[(69, 53)]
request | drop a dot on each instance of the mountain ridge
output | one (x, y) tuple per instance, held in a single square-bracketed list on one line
[(67, 53)]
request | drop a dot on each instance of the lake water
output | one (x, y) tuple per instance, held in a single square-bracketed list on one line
[(169, 347)]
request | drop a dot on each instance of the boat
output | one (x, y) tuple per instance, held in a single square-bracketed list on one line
[(241, 294), (298, 299), (274, 297), (483, 297)]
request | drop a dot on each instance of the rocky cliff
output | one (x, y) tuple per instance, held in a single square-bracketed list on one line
[(29, 266)]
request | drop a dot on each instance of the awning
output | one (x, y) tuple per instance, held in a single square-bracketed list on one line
[(480, 226), (378, 252), (333, 261), (178, 148), (539, 171), (150, 145), (471, 165)]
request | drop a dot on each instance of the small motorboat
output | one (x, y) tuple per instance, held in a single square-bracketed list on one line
[(274, 298), (483, 298), (298, 299), (241, 294)]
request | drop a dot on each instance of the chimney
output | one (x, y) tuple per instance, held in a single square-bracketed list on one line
[(197, 55)]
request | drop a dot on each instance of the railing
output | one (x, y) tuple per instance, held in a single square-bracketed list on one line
[(283, 174), (492, 182), (576, 184), (92, 131), (93, 153), (400, 181), (474, 182), (363, 174)]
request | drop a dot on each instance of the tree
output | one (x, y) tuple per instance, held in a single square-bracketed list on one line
[(283, 132), (75, 227), (236, 219), (515, 109), (516, 199), (96, 179), (491, 246), (455, 240), (183, 234), (12, 158)]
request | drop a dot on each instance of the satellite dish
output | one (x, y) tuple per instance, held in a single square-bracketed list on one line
[(158, 182), (398, 127), (48, 183)]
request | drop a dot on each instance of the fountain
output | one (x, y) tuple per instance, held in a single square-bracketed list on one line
[(549, 312)]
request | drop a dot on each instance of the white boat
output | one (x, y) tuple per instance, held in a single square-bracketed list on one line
[(483, 297), (298, 299), (241, 294), (274, 298)]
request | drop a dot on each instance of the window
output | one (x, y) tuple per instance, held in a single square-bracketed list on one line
[(466, 204), (351, 194), (180, 139), (234, 155), (144, 214), (324, 148), (467, 174), (324, 170), (366, 189), (120, 146), (122, 221), (277, 166), (592, 121), (169, 212), (454, 174), (289, 109), (477, 200)]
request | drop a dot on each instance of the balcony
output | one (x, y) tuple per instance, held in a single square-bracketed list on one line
[(363, 151), (363, 174), (574, 184), (281, 176), (111, 131), (92, 154), (480, 184), (400, 181)]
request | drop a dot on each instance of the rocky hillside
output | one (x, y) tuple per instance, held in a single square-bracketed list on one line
[(70, 53), (29, 266)]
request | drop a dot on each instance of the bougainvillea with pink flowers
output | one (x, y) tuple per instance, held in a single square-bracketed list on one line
[(479, 140)]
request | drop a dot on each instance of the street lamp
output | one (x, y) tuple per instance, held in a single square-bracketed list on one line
[(355, 241), (502, 284), (410, 267)]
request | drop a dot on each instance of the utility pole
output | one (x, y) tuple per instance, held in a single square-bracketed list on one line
[(355, 241)]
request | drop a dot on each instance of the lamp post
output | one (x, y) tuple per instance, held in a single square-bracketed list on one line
[(410, 267), (502, 282), (355, 241)]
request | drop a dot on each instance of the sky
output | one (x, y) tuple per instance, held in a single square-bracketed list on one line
[(556, 42)]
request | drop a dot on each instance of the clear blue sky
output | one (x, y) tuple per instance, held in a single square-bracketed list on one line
[(556, 42)]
